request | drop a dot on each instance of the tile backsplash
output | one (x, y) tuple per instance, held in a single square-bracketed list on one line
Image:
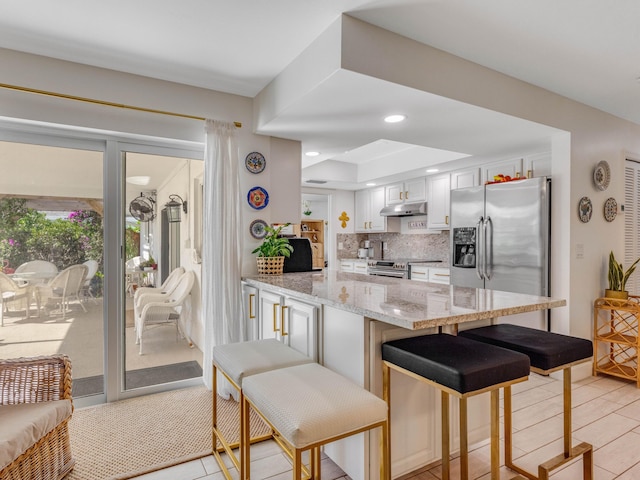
[(423, 246)]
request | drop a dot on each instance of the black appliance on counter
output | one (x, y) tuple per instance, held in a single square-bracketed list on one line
[(301, 259)]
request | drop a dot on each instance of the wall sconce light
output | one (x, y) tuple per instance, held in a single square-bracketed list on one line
[(173, 208)]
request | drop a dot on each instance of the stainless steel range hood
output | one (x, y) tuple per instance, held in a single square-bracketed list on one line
[(404, 210)]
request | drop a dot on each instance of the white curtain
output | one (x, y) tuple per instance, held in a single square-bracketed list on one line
[(222, 245)]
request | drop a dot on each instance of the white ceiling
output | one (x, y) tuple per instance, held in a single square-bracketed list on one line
[(587, 50)]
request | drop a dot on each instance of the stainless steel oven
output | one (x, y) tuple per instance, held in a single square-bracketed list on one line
[(388, 268), (394, 268)]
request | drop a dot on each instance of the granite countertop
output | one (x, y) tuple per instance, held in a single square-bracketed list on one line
[(405, 303)]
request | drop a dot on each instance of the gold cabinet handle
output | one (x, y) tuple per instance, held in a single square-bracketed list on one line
[(282, 309), (446, 219), (252, 314), (441, 275), (275, 316), (365, 225), (406, 195), (369, 224), (401, 195), (415, 274)]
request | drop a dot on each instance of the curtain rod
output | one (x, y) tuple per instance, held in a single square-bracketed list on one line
[(102, 102)]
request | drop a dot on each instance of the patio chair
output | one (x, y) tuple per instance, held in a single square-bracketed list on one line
[(92, 269), (12, 293), (62, 288), (165, 308), (132, 274), (166, 288)]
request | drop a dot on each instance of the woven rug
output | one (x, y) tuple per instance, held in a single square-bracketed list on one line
[(128, 438)]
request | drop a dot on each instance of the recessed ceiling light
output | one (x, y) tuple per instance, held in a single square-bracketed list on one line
[(139, 180), (312, 154), (432, 170), (371, 184), (394, 118)]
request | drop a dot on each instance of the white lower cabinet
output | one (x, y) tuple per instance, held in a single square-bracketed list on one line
[(420, 273), (291, 321), (347, 265), (250, 310)]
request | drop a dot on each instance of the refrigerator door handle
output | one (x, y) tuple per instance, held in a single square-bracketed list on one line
[(480, 249), (488, 248)]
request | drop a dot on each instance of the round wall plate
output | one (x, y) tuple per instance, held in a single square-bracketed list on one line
[(610, 209), (585, 209), (602, 175), (257, 229), (258, 198), (255, 162)]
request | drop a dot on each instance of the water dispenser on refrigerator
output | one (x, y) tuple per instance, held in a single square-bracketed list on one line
[(464, 247)]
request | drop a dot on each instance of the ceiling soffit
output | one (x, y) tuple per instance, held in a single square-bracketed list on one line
[(333, 96)]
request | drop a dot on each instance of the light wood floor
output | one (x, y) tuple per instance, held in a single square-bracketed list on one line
[(606, 413)]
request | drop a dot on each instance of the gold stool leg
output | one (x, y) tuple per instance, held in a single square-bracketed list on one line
[(446, 467), (385, 437), (464, 446), (495, 434), (297, 464)]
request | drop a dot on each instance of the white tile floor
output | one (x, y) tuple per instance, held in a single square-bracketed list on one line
[(606, 413)]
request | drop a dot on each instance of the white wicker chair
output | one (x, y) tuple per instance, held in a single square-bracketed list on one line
[(11, 293), (63, 287), (165, 308), (166, 288), (168, 284), (92, 269)]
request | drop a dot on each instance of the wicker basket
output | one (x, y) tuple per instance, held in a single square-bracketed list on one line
[(270, 265)]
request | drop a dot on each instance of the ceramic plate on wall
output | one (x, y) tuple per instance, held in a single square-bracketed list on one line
[(258, 198), (602, 175), (255, 162), (257, 229), (610, 209), (585, 209)]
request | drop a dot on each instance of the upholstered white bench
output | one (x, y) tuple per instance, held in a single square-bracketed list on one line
[(236, 361), (309, 406)]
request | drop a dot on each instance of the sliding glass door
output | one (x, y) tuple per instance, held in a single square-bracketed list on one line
[(52, 254), (96, 206), (158, 297)]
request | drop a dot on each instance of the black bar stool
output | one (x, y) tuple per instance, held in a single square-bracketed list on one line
[(460, 367), (548, 352)]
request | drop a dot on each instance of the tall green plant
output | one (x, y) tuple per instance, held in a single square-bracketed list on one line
[(273, 245), (618, 276)]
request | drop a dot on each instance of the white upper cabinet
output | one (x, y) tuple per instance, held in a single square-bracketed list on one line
[(513, 168), (367, 216), (469, 177), (409, 191), (438, 193)]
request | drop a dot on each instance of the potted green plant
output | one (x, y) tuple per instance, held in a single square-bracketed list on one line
[(272, 251), (618, 277)]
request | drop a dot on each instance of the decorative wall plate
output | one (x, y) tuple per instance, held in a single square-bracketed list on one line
[(585, 209), (255, 162), (610, 209), (602, 175), (258, 198), (257, 229)]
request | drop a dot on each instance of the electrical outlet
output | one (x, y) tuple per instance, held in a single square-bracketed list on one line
[(340, 246)]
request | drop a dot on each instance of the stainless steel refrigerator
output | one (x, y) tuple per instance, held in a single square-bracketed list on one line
[(500, 236)]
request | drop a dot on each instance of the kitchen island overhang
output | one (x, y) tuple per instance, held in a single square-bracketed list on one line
[(403, 303)]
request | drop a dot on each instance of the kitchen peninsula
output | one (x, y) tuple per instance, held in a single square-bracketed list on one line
[(341, 319)]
